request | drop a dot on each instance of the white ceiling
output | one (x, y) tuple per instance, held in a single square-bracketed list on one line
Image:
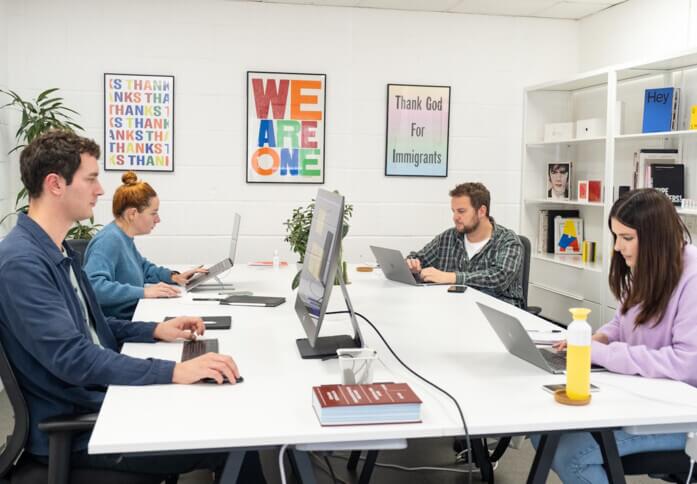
[(559, 9)]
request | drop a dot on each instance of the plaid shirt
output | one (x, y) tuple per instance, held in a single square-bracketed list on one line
[(496, 269)]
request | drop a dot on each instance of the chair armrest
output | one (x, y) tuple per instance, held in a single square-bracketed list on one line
[(69, 423)]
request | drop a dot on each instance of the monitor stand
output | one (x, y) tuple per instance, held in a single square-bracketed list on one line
[(326, 346)]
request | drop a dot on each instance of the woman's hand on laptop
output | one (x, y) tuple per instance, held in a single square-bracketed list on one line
[(182, 327), (183, 278), (599, 337), (414, 265), (210, 365), (161, 289), (431, 274)]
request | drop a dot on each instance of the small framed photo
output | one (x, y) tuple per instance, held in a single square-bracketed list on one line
[(583, 190), (559, 181), (595, 190)]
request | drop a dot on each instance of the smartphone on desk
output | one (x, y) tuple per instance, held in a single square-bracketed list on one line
[(457, 288), (562, 386)]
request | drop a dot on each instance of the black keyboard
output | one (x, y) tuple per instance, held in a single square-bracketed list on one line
[(556, 360), (196, 348)]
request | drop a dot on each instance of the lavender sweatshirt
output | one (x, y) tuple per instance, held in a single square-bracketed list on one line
[(665, 350)]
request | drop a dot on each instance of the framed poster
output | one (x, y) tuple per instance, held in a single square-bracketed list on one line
[(285, 127), (138, 122), (558, 181), (418, 119)]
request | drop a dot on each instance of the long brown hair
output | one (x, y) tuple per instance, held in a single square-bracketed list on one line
[(132, 194), (662, 236)]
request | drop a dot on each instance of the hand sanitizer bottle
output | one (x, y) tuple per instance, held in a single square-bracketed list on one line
[(276, 260), (578, 355)]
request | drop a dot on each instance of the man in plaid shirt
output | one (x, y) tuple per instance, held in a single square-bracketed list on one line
[(477, 252)]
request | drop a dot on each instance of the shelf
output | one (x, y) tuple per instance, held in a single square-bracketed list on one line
[(570, 261), (541, 201), (686, 211), (573, 141), (662, 134)]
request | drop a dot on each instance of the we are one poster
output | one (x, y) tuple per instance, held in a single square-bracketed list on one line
[(138, 122), (285, 127), (417, 130)]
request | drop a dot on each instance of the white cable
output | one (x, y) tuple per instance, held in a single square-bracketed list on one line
[(280, 463), (689, 475)]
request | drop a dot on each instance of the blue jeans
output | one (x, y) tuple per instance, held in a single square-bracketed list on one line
[(578, 458)]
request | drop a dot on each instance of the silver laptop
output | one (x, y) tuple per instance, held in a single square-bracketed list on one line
[(395, 267), (203, 281), (518, 343)]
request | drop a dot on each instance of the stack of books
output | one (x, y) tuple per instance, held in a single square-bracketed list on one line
[(377, 403)]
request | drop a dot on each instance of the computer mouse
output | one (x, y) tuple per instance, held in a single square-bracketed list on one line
[(239, 379)]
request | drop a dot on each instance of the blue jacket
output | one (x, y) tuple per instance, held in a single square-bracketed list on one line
[(118, 272), (60, 370)]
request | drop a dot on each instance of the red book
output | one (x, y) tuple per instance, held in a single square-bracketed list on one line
[(376, 403)]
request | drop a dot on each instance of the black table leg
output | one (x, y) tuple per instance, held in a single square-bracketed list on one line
[(611, 456), (543, 458), (368, 466), (353, 460)]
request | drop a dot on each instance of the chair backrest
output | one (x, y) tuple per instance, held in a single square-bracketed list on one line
[(16, 440), (525, 272)]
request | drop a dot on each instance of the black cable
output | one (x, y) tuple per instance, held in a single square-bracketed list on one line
[(462, 417)]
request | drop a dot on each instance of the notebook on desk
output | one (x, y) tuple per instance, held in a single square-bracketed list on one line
[(262, 301)]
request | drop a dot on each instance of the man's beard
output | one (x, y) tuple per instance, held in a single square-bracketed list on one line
[(469, 229)]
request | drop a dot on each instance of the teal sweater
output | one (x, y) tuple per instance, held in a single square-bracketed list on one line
[(118, 272)]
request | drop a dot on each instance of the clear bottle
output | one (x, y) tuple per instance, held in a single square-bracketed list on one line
[(578, 355), (276, 260)]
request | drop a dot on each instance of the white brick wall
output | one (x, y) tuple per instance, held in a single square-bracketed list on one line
[(5, 135), (637, 30), (209, 45)]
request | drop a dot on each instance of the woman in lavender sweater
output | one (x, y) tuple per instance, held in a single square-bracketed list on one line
[(653, 273)]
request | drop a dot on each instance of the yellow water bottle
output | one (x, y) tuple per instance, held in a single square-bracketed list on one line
[(578, 356)]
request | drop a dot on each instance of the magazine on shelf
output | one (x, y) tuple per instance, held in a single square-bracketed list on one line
[(645, 157), (661, 109), (668, 178)]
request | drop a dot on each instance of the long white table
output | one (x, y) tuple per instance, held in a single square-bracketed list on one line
[(442, 335)]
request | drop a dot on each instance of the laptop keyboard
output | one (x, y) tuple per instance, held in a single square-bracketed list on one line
[(196, 348), (556, 360)]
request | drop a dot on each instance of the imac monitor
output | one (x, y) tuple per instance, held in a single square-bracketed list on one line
[(320, 266)]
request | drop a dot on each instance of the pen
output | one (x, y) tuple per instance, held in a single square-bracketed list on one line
[(539, 330), (208, 298)]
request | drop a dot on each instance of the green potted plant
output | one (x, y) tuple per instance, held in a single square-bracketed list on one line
[(45, 112), (298, 230)]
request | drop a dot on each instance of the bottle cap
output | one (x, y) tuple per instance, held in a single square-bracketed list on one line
[(580, 313)]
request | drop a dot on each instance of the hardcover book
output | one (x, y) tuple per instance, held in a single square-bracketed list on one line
[(375, 403), (660, 109), (669, 178)]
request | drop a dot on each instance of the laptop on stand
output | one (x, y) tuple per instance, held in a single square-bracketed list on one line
[(211, 281)]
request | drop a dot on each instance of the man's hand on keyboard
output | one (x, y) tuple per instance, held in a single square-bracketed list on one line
[(210, 365), (182, 327)]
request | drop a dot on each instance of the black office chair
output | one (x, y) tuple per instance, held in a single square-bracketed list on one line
[(16, 467), (80, 247), (525, 275)]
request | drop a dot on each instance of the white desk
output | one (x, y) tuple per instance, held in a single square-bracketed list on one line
[(441, 335)]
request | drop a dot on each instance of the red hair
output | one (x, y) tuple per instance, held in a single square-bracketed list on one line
[(132, 194)]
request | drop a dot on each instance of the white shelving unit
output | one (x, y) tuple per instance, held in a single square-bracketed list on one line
[(558, 282)]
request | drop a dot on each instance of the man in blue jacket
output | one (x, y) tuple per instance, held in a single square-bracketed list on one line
[(62, 348)]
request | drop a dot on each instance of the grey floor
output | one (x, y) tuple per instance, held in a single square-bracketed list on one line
[(513, 467)]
